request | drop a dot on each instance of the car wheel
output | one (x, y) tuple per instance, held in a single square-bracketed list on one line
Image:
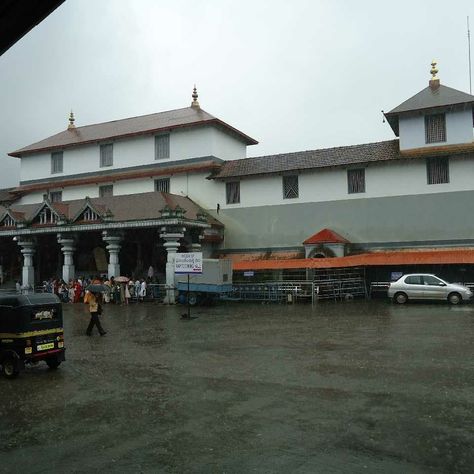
[(454, 298), (400, 298), (192, 299), (53, 363), (10, 368)]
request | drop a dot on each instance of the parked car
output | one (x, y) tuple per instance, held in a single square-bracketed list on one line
[(422, 286)]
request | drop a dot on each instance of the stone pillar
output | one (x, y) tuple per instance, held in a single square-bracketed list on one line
[(68, 247), (113, 247), (171, 245), (28, 272)]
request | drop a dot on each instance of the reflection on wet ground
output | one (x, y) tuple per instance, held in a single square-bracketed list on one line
[(342, 387)]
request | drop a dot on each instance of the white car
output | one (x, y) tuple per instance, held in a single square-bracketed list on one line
[(423, 286)]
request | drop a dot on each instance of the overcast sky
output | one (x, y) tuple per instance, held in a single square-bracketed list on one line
[(295, 75)]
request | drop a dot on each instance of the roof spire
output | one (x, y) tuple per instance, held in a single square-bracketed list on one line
[(434, 81), (195, 103), (71, 121)]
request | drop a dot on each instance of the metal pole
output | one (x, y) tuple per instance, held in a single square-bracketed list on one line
[(469, 54), (189, 305)]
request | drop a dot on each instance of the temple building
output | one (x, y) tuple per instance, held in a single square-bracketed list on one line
[(120, 196)]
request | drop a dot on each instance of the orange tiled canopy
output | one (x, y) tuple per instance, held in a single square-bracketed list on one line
[(326, 236)]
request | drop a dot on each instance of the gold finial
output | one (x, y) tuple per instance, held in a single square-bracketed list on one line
[(195, 102), (434, 81), (71, 120), (434, 70)]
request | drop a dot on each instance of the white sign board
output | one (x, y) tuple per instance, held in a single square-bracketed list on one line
[(188, 263)]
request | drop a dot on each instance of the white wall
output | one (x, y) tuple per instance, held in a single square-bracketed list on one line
[(227, 147), (459, 129), (407, 177), (184, 144), (381, 180)]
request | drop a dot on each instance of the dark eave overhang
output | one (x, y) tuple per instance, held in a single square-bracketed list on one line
[(393, 117), (109, 176), (18, 17)]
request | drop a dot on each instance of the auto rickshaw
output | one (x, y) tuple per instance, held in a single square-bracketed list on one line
[(31, 330)]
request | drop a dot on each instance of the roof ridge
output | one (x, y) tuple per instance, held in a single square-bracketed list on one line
[(135, 117)]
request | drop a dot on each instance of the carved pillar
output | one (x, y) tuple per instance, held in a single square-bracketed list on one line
[(68, 247), (27, 250), (113, 247), (171, 238)]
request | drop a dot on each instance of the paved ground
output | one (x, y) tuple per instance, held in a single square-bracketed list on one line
[(342, 388)]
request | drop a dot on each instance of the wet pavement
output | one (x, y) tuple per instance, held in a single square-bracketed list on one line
[(339, 388)]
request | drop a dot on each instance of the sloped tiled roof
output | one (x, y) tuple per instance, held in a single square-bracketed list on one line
[(326, 236), (152, 123), (305, 160), (429, 98), (7, 196), (143, 206)]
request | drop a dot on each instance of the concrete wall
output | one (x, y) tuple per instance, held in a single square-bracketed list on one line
[(184, 144), (459, 129), (398, 219)]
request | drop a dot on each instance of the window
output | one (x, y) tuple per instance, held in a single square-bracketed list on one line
[(162, 147), (106, 190), (107, 155), (290, 187), (432, 281), (414, 280), (46, 216), (162, 185), (57, 162), (56, 196), (232, 189), (435, 128), (356, 181), (90, 215), (437, 170), (8, 222)]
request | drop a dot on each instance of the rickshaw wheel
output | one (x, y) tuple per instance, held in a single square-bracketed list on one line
[(9, 368), (53, 363)]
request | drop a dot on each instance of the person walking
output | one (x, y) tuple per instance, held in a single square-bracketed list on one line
[(95, 309)]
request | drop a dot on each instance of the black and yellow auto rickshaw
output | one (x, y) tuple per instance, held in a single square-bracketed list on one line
[(31, 330)]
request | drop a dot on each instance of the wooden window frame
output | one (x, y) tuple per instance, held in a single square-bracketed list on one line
[(162, 146), (57, 159), (232, 192), (106, 155), (356, 181), (103, 188), (290, 185), (162, 181), (437, 170), (435, 128)]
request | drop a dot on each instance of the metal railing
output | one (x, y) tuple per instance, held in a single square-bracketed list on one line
[(273, 292)]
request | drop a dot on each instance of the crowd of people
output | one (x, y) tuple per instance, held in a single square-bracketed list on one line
[(118, 291)]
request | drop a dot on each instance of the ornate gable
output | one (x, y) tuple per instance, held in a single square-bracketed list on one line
[(46, 214), (90, 213), (10, 219)]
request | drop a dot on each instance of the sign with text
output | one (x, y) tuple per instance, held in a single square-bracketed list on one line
[(188, 263)]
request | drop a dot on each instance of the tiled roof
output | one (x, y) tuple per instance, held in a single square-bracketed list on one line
[(143, 206), (305, 160), (152, 123), (6, 196), (327, 236), (429, 98), (428, 257)]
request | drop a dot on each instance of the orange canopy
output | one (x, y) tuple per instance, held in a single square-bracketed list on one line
[(418, 257)]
